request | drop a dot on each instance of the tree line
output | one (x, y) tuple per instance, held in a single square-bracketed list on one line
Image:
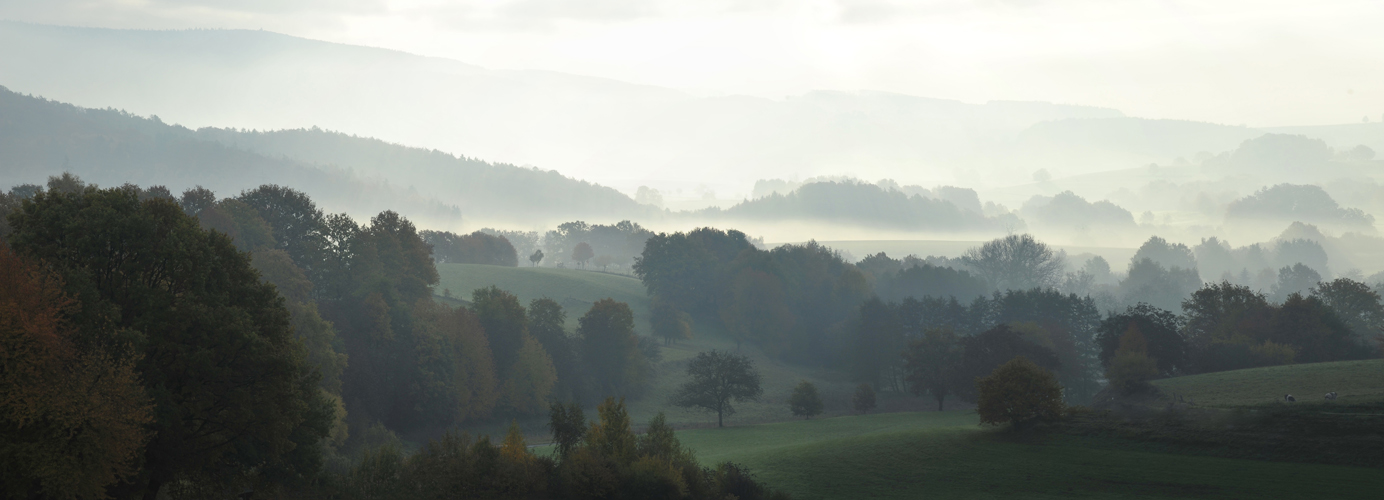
[(254, 341)]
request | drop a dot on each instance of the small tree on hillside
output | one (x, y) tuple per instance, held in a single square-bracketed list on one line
[(717, 379), (805, 402), (536, 257), (604, 261), (1019, 392), (582, 253), (864, 398)]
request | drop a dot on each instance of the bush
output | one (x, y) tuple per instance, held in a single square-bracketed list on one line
[(1019, 392), (864, 398), (805, 402)]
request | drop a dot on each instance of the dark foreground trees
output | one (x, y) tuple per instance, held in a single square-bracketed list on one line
[(718, 379), (72, 416), (235, 402)]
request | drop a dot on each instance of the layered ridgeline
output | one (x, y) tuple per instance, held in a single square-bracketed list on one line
[(41, 138)]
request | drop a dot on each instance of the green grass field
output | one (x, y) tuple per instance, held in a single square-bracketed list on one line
[(947, 455), (1354, 381)]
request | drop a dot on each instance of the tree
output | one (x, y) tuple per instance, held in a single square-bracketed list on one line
[(1355, 303), (568, 424), (984, 352), (669, 323), (1149, 282), (582, 253), (298, 225), (604, 261), (610, 348), (72, 420), (1017, 262), (547, 323), (718, 378), (505, 321), (930, 364), (757, 309), (864, 399), (213, 340), (1130, 367), (1296, 278), (529, 381), (1162, 330), (536, 257), (878, 341), (1019, 392), (805, 402)]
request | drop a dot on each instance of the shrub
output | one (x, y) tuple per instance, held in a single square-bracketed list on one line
[(864, 398), (805, 402), (1019, 392)]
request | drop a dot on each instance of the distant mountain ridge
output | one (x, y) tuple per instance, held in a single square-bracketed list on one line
[(39, 138)]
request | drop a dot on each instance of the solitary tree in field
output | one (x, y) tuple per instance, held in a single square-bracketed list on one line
[(717, 379), (582, 253), (805, 402), (864, 399), (1019, 392), (536, 257)]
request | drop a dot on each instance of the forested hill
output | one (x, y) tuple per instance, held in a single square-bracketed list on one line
[(858, 203), (39, 138), (490, 191)]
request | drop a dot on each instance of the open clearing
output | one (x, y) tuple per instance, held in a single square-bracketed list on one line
[(1355, 381), (946, 455)]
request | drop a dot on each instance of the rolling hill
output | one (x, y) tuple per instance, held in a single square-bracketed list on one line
[(1354, 381)]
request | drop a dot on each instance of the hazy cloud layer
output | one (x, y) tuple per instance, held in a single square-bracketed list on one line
[(1262, 63)]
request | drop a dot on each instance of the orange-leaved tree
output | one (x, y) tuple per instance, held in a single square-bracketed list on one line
[(1018, 392), (71, 416)]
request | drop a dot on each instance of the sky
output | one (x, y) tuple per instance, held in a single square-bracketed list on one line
[(1257, 62)]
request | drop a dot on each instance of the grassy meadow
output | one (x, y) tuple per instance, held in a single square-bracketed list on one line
[(947, 455), (575, 289), (1354, 381)]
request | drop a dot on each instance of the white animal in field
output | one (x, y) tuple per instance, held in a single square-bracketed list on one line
[(1331, 395), (1289, 398)]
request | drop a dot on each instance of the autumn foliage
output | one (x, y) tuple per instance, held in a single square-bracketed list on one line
[(71, 418), (1019, 392)]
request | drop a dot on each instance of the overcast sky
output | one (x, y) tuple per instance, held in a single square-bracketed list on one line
[(1255, 62)]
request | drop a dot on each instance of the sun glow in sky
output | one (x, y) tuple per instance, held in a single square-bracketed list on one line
[(1255, 62)]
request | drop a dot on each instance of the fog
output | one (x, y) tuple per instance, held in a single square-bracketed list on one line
[(869, 164)]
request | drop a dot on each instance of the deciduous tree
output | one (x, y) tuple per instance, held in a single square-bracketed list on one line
[(719, 379), (1019, 392), (931, 364), (805, 401)]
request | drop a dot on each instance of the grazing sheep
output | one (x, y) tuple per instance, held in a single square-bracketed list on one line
[(1331, 395), (1289, 398)]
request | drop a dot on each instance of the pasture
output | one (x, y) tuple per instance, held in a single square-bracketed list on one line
[(1355, 381), (947, 455)]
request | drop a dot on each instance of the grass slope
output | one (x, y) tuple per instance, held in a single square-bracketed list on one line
[(576, 290), (1355, 381), (946, 455)]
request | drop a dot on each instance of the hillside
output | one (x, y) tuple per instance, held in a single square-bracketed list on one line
[(946, 455), (363, 176), (574, 289), (1355, 381)]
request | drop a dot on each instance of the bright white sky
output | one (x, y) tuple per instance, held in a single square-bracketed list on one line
[(1255, 62)]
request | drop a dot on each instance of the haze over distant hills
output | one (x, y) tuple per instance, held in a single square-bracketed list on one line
[(614, 133)]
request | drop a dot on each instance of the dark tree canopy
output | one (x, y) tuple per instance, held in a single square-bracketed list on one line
[(805, 401), (208, 334), (1161, 330), (719, 379), (611, 349), (474, 248)]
